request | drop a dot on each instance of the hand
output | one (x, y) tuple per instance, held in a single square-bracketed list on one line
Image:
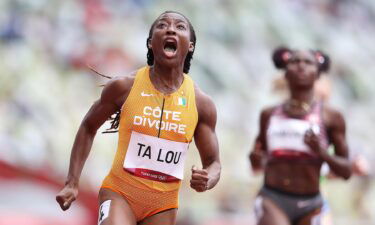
[(256, 156), (361, 166), (199, 179), (66, 196), (312, 140), (257, 153)]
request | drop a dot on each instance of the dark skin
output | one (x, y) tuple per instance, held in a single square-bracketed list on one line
[(167, 76), (299, 177)]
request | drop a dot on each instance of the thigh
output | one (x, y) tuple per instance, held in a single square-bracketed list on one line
[(167, 217), (317, 217), (268, 213), (114, 209)]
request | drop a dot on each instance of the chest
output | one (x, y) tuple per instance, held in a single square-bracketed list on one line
[(167, 116), (280, 127), (287, 134)]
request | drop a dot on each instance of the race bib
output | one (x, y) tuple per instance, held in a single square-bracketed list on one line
[(155, 158), (287, 134)]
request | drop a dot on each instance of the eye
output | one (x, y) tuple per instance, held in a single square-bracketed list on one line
[(181, 27), (293, 60), (161, 25)]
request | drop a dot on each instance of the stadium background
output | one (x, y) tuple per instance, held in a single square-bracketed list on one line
[(46, 88)]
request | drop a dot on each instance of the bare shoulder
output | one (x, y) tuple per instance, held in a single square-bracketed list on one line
[(333, 118), (205, 105), (117, 89), (266, 112), (268, 109)]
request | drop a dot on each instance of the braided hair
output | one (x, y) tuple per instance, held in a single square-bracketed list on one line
[(114, 118), (189, 56), (282, 55)]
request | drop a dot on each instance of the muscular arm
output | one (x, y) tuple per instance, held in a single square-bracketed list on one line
[(258, 153), (95, 117), (338, 163), (207, 144), (111, 100)]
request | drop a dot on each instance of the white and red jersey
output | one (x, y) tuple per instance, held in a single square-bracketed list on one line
[(285, 134)]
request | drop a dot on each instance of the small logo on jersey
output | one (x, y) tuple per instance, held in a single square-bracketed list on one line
[(313, 118), (143, 94), (304, 203), (181, 101)]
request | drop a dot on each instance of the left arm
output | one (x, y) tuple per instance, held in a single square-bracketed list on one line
[(338, 163), (207, 144)]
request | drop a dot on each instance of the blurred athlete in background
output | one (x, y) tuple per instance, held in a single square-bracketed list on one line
[(292, 144)]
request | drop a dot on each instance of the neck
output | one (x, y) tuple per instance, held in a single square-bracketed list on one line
[(166, 79), (302, 95), (300, 102)]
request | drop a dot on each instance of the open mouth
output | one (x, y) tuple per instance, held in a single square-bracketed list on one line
[(170, 48)]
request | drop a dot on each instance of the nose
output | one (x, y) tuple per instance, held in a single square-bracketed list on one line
[(301, 64), (171, 30)]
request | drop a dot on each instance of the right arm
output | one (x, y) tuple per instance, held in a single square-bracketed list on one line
[(206, 141), (111, 100), (339, 163), (257, 155)]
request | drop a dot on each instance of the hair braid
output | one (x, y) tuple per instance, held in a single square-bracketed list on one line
[(114, 118)]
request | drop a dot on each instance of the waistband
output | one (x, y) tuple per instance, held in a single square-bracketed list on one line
[(289, 194)]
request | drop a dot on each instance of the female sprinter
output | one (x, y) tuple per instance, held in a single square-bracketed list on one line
[(292, 144), (161, 111)]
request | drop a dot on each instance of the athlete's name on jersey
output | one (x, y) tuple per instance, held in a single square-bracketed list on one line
[(287, 133), (156, 113), (163, 156)]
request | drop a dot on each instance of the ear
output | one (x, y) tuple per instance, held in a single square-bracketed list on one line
[(286, 76), (191, 47), (149, 43)]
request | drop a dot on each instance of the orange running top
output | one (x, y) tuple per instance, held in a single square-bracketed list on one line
[(154, 133)]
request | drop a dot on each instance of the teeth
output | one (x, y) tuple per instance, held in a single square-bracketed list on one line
[(169, 49)]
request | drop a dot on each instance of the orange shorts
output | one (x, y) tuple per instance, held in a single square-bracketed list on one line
[(144, 202)]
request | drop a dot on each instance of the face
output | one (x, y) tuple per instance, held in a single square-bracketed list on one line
[(170, 40), (302, 70)]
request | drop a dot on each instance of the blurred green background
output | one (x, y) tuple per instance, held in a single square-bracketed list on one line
[(46, 88)]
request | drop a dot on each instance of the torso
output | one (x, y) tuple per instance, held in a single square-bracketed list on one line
[(154, 134), (293, 167)]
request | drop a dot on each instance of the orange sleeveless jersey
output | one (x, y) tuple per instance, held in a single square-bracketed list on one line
[(154, 133)]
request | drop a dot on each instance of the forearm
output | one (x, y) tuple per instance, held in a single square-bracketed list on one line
[(80, 151), (214, 170), (339, 165), (257, 161)]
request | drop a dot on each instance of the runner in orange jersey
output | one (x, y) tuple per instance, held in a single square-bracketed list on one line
[(161, 111)]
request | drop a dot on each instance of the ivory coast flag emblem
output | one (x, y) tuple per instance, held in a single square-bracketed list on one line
[(181, 101)]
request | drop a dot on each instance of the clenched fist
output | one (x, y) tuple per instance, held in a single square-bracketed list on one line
[(199, 179), (311, 139), (66, 196)]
